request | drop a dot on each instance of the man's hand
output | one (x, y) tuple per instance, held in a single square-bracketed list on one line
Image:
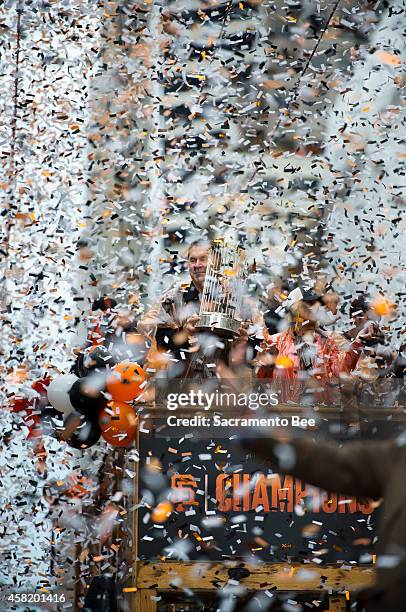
[(187, 333), (243, 331), (190, 325), (264, 447), (369, 332), (238, 351)]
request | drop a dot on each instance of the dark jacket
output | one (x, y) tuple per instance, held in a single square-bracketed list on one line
[(374, 469)]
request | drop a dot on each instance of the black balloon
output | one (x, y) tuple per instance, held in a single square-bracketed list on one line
[(49, 412), (82, 401), (80, 431), (98, 357)]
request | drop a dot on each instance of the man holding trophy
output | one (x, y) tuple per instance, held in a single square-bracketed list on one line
[(209, 318)]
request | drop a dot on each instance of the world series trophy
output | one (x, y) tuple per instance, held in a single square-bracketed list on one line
[(220, 306)]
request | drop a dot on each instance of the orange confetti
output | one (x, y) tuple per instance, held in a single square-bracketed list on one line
[(390, 59), (382, 306), (19, 375), (162, 512)]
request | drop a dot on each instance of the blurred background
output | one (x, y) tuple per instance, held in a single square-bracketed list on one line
[(129, 129)]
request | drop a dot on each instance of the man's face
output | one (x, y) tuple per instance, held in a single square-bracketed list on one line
[(197, 261), (331, 300)]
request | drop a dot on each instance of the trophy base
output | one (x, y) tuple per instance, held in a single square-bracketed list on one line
[(218, 323)]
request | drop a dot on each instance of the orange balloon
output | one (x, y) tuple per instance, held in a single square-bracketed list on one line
[(124, 383), (118, 423), (162, 512)]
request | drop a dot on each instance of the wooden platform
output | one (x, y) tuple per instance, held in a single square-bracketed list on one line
[(151, 578)]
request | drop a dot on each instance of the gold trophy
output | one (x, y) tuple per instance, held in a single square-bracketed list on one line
[(224, 284)]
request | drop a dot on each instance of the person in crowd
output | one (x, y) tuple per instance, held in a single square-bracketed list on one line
[(305, 347), (398, 369), (398, 373), (171, 321), (330, 300), (374, 469), (374, 366), (363, 317), (380, 377), (112, 337), (305, 361)]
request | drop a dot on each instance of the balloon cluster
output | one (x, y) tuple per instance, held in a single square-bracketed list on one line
[(98, 404)]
